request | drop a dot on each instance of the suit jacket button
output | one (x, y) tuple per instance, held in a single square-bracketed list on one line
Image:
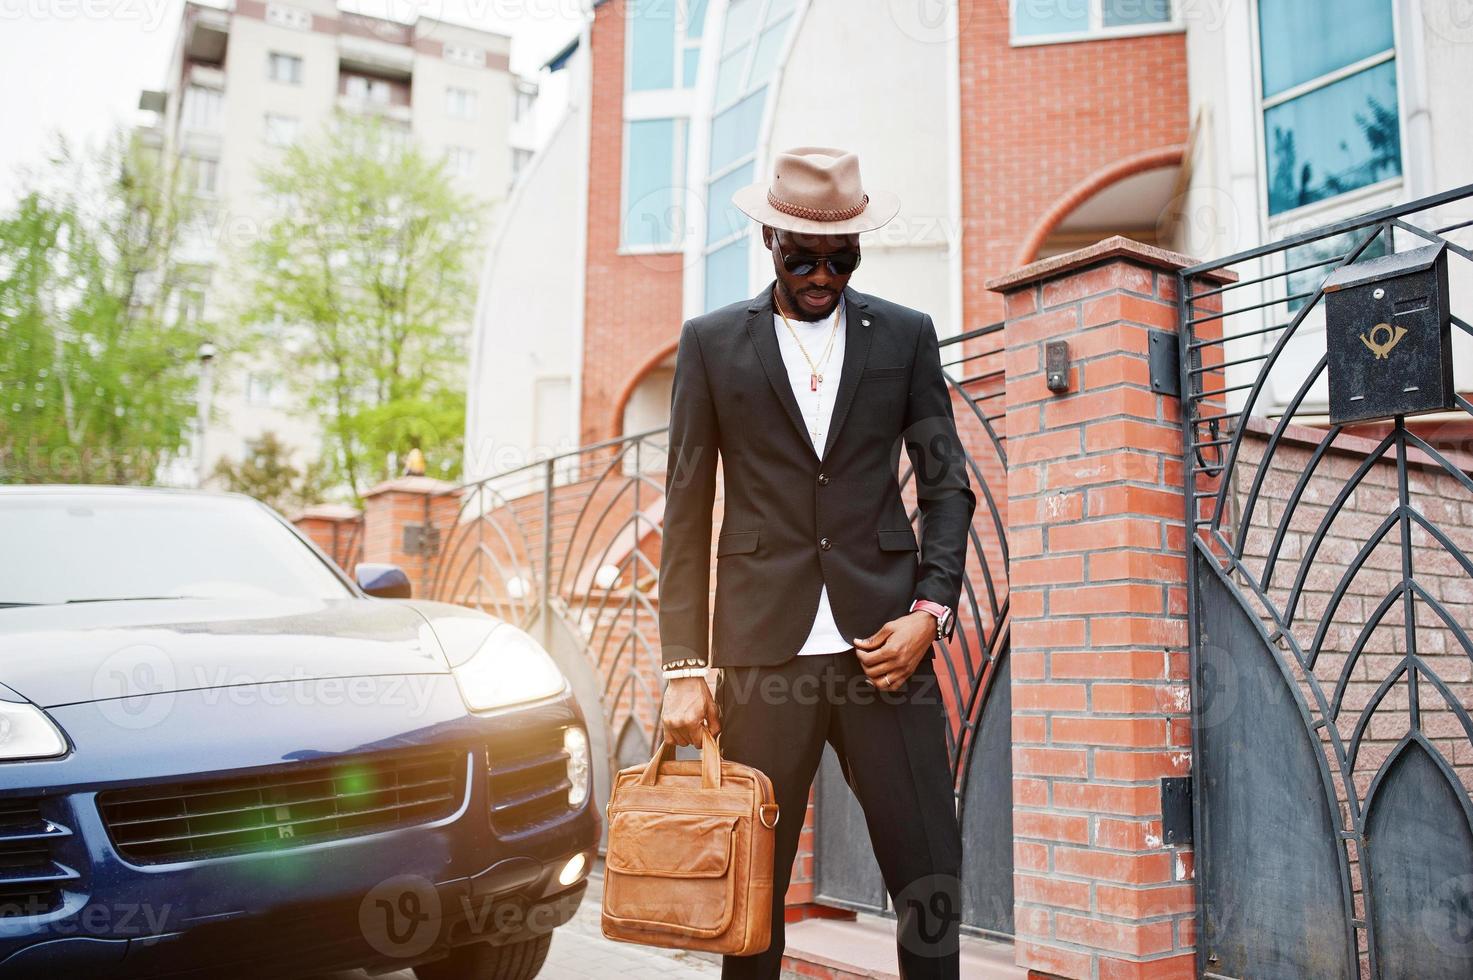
[(824, 544), (823, 479)]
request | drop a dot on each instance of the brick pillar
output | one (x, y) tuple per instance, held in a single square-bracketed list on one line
[(1099, 662), (335, 529), (396, 504)]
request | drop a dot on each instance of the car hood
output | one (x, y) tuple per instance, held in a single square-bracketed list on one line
[(67, 654)]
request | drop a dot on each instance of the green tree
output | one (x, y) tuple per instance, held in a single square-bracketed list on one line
[(98, 367), (266, 473), (369, 262)]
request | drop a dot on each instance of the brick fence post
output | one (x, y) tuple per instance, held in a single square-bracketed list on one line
[(334, 528), (407, 501), (1096, 525)]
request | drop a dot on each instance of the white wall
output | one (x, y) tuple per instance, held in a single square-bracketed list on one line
[(527, 311), (894, 90)]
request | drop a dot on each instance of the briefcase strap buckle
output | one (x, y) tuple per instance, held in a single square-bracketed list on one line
[(762, 815)]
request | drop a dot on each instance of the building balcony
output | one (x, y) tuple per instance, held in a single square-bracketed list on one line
[(206, 34)]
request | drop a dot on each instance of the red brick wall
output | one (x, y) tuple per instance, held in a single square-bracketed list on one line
[(1100, 667), (1037, 120), (632, 303)]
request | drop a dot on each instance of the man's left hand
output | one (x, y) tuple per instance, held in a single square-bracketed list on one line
[(892, 653)]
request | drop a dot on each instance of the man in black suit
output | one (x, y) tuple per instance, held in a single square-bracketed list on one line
[(827, 607)]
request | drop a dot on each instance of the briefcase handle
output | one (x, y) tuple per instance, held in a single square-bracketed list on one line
[(710, 761)]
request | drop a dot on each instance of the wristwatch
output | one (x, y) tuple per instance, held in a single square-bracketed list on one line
[(945, 618)]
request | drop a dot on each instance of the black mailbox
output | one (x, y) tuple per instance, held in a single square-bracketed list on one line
[(1388, 331)]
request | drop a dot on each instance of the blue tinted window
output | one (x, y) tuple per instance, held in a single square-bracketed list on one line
[(652, 45), (695, 25), (1304, 39), (741, 22), (1124, 13), (692, 64), (768, 48), (1036, 17), (726, 274), (724, 219), (651, 198), (1333, 139), (734, 131), (1308, 280)]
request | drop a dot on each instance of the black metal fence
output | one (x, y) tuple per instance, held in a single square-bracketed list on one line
[(1331, 594), (569, 546)]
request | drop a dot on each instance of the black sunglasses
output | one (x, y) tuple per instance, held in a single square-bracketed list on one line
[(839, 263)]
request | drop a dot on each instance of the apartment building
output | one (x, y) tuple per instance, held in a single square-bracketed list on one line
[(248, 80)]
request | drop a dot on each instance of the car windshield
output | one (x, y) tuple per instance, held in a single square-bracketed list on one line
[(97, 547)]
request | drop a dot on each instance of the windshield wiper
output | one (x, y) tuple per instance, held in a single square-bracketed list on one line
[(11, 605), (130, 598)]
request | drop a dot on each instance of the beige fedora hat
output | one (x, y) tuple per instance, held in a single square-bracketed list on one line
[(816, 190)]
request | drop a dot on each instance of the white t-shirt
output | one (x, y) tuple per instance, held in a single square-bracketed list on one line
[(817, 408)]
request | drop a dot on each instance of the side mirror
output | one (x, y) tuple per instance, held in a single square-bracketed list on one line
[(382, 581)]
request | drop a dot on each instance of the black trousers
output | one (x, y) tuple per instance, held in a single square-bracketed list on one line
[(892, 747)]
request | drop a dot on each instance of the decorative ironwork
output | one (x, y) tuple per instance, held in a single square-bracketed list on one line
[(569, 546), (1330, 590)]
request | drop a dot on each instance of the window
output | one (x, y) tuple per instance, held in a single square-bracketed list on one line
[(191, 307), (1330, 118), (293, 18), (519, 159), (285, 68), (1054, 20), (281, 130), (203, 108), (753, 39), (654, 176), (462, 161), (365, 89), (460, 103), (201, 174), (523, 98), (664, 43), (462, 54), (263, 389)]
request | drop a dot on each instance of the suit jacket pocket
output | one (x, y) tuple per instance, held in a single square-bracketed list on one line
[(883, 373), (736, 542), (899, 539)]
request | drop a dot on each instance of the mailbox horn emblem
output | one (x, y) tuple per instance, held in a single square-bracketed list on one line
[(1383, 338)]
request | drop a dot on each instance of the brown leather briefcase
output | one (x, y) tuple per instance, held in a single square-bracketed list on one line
[(689, 863)]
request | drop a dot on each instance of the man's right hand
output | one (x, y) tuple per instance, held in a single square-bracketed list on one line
[(688, 707)]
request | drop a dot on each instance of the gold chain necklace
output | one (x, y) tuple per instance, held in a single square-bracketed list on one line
[(815, 378)]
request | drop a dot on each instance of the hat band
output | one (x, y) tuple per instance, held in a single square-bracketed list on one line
[(817, 214)]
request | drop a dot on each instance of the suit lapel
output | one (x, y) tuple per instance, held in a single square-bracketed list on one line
[(857, 334)]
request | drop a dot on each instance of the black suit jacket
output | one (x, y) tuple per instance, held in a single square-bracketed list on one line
[(798, 516)]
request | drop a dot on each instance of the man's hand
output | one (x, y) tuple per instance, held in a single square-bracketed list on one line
[(894, 651), (688, 706)]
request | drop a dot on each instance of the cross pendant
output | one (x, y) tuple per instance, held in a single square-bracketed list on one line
[(813, 380)]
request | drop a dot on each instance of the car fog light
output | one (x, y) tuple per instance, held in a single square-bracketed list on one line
[(575, 743), (572, 871)]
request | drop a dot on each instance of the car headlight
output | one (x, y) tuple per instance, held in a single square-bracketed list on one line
[(27, 733), (509, 668), (575, 742)]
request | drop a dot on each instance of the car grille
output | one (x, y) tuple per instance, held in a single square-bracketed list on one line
[(528, 781), (283, 808), (31, 880)]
